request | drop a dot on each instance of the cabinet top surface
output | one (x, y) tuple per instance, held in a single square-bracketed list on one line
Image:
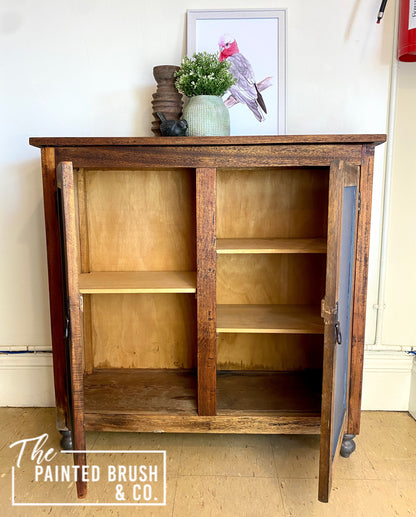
[(373, 139)]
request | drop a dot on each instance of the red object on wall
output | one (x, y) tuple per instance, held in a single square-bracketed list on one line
[(406, 50)]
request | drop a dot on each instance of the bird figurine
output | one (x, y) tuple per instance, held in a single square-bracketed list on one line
[(245, 90), (172, 127)]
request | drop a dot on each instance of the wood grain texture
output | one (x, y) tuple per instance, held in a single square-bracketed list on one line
[(141, 220), (82, 226), (144, 330), (272, 203), (259, 156), (270, 319), (138, 282), (247, 392), (261, 246), (283, 423), (203, 141), (271, 278), (172, 392), (360, 290), (331, 298), (342, 175), (147, 215), (278, 352), (55, 275), (66, 179), (206, 289)]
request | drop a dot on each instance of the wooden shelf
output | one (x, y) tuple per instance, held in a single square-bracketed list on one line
[(266, 319), (241, 246), (173, 392), (254, 393), (140, 391), (138, 282)]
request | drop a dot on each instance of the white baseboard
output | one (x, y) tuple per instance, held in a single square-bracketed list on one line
[(26, 380), (412, 398), (386, 382)]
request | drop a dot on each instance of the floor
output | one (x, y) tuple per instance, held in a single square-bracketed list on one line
[(224, 475)]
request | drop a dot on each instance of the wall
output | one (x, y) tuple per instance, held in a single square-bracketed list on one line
[(84, 68), (398, 328)]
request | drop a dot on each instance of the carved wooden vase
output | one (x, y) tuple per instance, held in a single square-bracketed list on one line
[(167, 99)]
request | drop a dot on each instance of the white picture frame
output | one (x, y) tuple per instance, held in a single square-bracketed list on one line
[(261, 38)]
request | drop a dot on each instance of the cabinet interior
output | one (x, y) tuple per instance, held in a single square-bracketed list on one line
[(271, 267), (137, 241)]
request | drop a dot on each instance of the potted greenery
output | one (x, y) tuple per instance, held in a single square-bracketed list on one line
[(204, 79)]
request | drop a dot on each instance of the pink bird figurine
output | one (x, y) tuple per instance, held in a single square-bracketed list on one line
[(245, 90)]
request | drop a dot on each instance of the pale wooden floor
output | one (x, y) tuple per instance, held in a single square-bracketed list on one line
[(240, 475)]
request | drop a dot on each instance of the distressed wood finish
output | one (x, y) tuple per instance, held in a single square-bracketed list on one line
[(373, 139), (66, 183), (81, 191), (341, 175), (170, 230), (264, 155), (286, 424), (206, 289), (56, 297), (329, 304), (360, 291)]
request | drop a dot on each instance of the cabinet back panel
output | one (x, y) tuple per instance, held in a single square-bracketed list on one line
[(280, 352), (277, 279), (272, 203), (140, 220), (143, 330)]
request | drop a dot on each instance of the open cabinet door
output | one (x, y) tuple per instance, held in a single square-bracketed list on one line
[(69, 240), (336, 311)]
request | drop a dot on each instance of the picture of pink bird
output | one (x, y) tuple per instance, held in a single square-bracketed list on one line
[(246, 90)]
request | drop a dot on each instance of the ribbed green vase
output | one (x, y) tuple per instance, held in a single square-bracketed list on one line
[(207, 116)]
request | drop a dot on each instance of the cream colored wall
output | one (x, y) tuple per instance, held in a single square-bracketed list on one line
[(400, 303), (84, 68)]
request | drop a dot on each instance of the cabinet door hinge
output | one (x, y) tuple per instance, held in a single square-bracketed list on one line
[(81, 303), (359, 201)]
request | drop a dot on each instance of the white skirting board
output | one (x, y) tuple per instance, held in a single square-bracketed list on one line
[(386, 382), (27, 380)]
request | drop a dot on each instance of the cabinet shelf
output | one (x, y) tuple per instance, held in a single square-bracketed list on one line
[(137, 282), (242, 246), (140, 391), (274, 319)]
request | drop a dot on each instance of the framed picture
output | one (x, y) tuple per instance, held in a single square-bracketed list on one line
[(254, 40)]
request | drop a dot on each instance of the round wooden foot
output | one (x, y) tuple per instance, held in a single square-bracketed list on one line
[(348, 445), (66, 440)]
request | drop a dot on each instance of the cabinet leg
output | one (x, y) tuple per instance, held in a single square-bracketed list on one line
[(348, 445), (66, 440)]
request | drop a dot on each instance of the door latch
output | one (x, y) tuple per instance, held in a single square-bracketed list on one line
[(338, 335)]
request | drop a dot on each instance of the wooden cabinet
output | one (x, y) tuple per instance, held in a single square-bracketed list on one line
[(209, 284)]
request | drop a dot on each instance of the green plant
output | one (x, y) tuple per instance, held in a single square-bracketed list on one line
[(203, 74)]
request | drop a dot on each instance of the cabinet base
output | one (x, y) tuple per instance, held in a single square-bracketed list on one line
[(66, 440), (348, 445)]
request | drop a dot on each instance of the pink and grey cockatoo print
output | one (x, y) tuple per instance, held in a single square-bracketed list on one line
[(245, 90)]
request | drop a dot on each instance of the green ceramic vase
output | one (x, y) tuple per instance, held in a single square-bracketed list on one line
[(207, 116)]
